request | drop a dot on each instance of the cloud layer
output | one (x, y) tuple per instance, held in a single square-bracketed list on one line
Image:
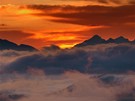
[(67, 87), (108, 58), (24, 75)]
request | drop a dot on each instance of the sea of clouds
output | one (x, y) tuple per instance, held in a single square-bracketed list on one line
[(94, 73), (105, 58), (70, 86)]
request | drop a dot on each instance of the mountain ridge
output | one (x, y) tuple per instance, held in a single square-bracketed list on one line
[(96, 39), (7, 45)]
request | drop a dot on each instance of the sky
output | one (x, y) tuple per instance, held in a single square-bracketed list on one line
[(65, 22)]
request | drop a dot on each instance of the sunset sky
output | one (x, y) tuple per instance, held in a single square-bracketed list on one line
[(65, 22)]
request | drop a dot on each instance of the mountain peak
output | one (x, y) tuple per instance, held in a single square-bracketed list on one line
[(110, 40), (121, 39), (23, 47), (96, 39), (7, 45), (96, 36)]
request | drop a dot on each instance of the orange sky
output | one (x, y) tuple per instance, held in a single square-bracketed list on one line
[(65, 22)]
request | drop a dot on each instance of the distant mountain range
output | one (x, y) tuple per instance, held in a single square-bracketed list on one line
[(98, 40), (6, 45), (95, 40)]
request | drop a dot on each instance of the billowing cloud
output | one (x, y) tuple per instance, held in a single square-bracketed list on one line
[(109, 58), (24, 77), (69, 86)]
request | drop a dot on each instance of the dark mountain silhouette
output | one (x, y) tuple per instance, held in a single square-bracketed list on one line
[(7, 45), (110, 40), (121, 40), (98, 40), (23, 47), (93, 41)]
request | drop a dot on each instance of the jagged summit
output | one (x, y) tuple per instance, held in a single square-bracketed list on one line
[(7, 45), (110, 40), (121, 39), (96, 39)]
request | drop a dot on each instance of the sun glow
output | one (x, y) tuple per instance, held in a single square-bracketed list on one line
[(63, 46), (24, 11)]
